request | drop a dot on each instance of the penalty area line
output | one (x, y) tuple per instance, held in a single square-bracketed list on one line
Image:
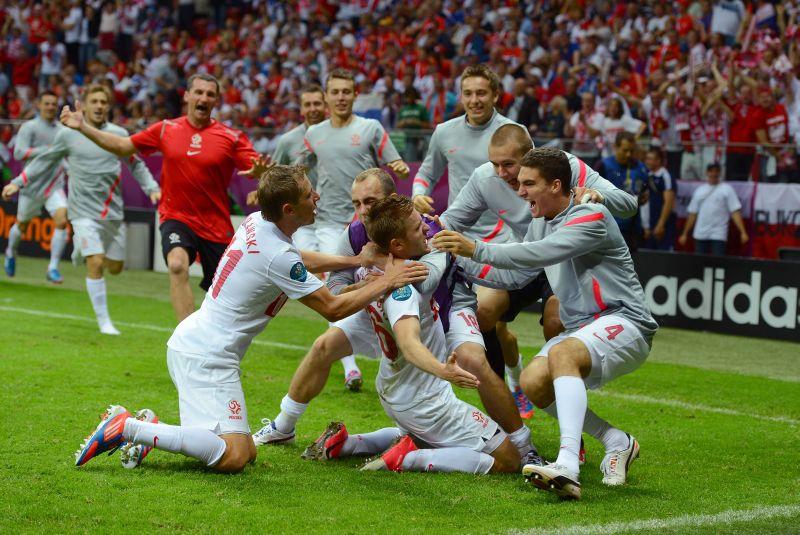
[(677, 522)]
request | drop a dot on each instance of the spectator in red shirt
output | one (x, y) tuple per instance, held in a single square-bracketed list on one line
[(745, 118), (772, 132), (200, 155)]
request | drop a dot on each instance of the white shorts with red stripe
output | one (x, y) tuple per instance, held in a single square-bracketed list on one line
[(92, 237), (463, 329), (615, 346), (29, 207)]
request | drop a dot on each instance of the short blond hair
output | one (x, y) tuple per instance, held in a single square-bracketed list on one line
[(97, 88)]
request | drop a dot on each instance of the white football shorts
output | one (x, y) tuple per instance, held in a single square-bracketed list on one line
[(463, 328), (29, 207), (361, 335), (447, 422), (91, 237), (615, 345), (210, 392)]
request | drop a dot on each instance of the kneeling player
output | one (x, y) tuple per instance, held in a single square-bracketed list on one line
[(609, 329), (414, 373), (260, 271)]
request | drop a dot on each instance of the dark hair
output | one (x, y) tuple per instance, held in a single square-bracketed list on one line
[(624, 136), (202, 76), (387, 182), (386, 219), (714, 165), (657, 152), (512, 133), (47, 93), (312, 88), (279, 185), (342, 74), (482, 71), (552, 165)]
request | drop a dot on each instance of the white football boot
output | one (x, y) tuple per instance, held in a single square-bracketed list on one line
[(554, 478), (269, 434), (615, 464)]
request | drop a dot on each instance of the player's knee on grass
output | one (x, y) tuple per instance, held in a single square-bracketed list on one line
[(536, 382), (178, 262), (506, 458), (569, 357), (114, 266), (551, 321), (472, 358), (239, 452)]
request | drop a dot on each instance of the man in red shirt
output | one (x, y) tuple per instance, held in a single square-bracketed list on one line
[(200, 155), (745, 117), (773, 131)]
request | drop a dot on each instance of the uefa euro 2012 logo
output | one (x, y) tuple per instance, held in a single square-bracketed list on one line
[(401, 294), (298, 272)]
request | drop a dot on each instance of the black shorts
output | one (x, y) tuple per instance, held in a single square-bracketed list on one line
[(176, 234), (521, 299)]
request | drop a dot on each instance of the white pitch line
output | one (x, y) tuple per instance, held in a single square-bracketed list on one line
[(694, 406), (630, 397), (677, 522), (144, 326)]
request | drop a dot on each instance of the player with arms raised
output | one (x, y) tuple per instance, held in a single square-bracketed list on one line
[(609, 329), (260, 271)]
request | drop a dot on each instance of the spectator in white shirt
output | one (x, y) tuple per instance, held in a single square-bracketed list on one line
[(712, 207)]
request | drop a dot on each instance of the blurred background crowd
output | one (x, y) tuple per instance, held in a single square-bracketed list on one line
[(703, 81)]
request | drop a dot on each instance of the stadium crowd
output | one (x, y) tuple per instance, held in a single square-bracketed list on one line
[(705, 81)]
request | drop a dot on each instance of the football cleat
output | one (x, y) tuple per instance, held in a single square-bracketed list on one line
[(54, 276), (131, 455), (328, 445), (533, 457), (615, 464), (353, 381), (106, 437), (582, 454), (554, 478), (392, 458), (269, 434), (524, 405), (108, 328), (10, 265)]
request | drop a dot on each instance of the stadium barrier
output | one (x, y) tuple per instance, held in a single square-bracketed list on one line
[(730, 295)]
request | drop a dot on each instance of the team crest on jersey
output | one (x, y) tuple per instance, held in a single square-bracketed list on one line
[(401, 294), (355, 140), (196, 141), (235, 408), (298, 272), (174, 238)]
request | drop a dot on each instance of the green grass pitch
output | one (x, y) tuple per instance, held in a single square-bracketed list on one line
[(718, 419)]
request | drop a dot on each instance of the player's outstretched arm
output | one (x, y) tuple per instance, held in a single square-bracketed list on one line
[(120, 145), (400, 168), (258, 167), (336, 307), (317, 262), (406, 331)]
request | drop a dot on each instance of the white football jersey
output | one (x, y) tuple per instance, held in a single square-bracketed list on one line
[(260, 270), (399, 382)]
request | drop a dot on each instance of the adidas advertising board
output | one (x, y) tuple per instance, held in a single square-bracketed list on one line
[(730, 295)]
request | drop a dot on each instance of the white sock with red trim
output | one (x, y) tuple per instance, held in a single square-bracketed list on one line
[(57, 243), (291, 411), (370, 443), (349, 364), (448, 460), (513, 373), (196, 442), (613, 439), (14, 236), (97, 294), (571, 402)]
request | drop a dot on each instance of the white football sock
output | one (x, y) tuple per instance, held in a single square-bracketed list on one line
[(571, 403), (349, 364), (612, 438), (291, 411), (14, 236), (370, 443), (448, 460), (196, 442), (513, 373), (57, 244), (97, 294), (521, 438)]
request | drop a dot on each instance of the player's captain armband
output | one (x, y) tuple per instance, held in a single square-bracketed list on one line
[(298, 272), (402, 294)]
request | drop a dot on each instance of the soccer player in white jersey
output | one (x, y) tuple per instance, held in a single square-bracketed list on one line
[(415, 375), (95, 200), (290, 146), (338, 149), (355, 334), (609, 329), (259, 272), (33, 138)]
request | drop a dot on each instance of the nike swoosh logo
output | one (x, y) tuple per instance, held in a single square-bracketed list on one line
[(192, 152), (155, 442)]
